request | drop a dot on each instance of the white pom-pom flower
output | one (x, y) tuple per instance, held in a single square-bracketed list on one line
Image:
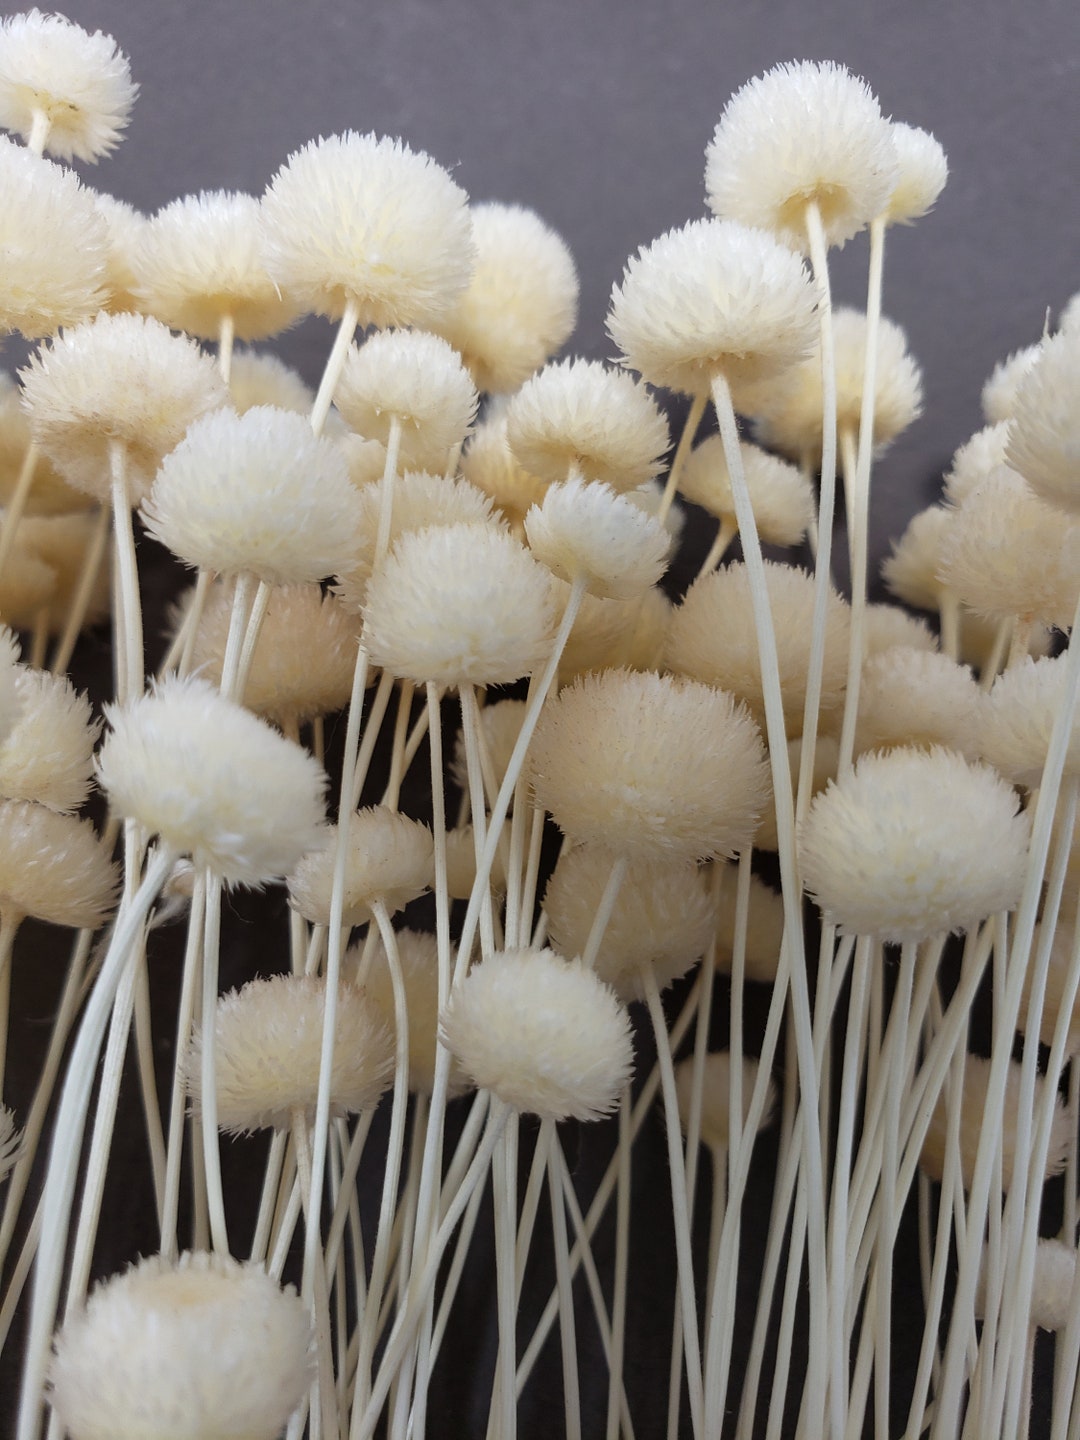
[(257, 377), (888, 625), (213, 780), (543, 1034), (80, 84), (259, 494), (1044, 436), (53, 867), (203, 1348), (921, 173), (998, 398), (490, 465), (390, 858), (713, 297), (911, 571), (365, 220), (914, 843), (48, 754), (716, 1097), (1019, 716), (585, 531), (418, 955), (780, 494), (921, 698), (803, 133), (976, 460)]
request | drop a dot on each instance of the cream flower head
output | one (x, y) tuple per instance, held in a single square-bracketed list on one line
[(1044, 435), (921, 173), (716, 1097), (53, 867), (80, 83), (586, 531), (389, 858), (780, 494)]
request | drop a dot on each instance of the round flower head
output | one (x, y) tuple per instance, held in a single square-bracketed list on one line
[(578, 418), (918, 698), (543, 1034), (1019, 717), (256, 493), (716, 1097), (826, 768), (304, 657), (789, 419), (10, 1141), (1057, 975), (921, 172), (1070, 312), (198, 261), (48, 755), (1044, 436), (49, 494), (713, 298), (79, 82), (911, 571), (366, 459), (663, 918), (586, 531), (200, 1348), (500, 726), (420, 500), (650, 765), (213, 780), (999, 394), (972, 1103), (259, 378), (53, 867), (914, 843), (712, 638), (416, 379), (54, 243), (1006, 552), (355, 218), (121, 379), (888, 625), (418, 954), (27, 586), (488, 463), (520, 306), (61, 542), (267, 1044), (781, 497), (123, 225), (764, 927), (390, 858), (459, 603), (976, 460), (803, 133)]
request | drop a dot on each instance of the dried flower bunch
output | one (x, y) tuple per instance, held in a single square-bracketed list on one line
[(461, 543)]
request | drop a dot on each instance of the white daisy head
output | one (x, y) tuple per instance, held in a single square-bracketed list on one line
[(999, 394), (48, 755), (918, 697), (587, 531), (1019, 716), (1044, 433), (921, 173)]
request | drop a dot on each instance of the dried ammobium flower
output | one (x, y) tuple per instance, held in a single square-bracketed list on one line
[(588, 533), (48, 755), (53, 867), (921, 173), (203, 1348), (716, 1096), (390, 859), (780, 494), (418, 954), (1044, 436), (1018, 719)]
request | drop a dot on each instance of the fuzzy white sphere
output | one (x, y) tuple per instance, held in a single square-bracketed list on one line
[(520, 306), (418, 955), (80, 82), (122, 379), (976, 460), (543, 1034), (650, 765), (199, 260), (713, 297), (203, 1348), (586, 531), (365, 219), (914, 843), (53, 867), (417, 379), (389, 858), (889, 625), (54, 243), (911, 572), (214, 781), (1019, 717), (716, 1097), (803, 133), (257, 377), (1044, 435), (921, 173), (267, 1051), (780, 494), (488, 463), (48, 754), (579, 418), (459, 603), (912, 696), (256, 493), (999, 394), (123, 225)]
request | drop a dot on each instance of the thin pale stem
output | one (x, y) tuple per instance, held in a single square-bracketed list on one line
[(16, 506), (92, 560), (185, 1016), (208, 1065), (129, 622), (682, 451), (335, 363), (226, 337)]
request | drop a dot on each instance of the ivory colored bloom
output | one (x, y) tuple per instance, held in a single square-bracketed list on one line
[(390, 858), (203, 1348), (199, 260), (1018, 719), (972, 1105), (713, 298), (416, 378), (712, 638), (520, 306), (802, 133), (213, 780), (663, 919), (259, 378), (1044, 436), (365, 219), (911, 572), (48, 755), (123, 225), (789, 418), (578, 417), (650, 765), (1000, 392), (418, 953), (914, 843), (54, 243), (586, 531), (53, 867), (919, 698), (122, 379), (267, 1048), (716, 1097), (543, 1034), (921, 173), (256, 493), (780, 495), (80, 82), (488, 463), (459, 603), (600, 637), (976, 460), (889, 625)]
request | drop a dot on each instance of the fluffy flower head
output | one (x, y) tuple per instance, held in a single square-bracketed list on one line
[(586, 530), (1044, 436), (53, 867), (390, 858)]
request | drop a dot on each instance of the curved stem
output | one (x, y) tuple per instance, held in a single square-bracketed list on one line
[(682, 450), (335, 363), (92, 560), (16, 506)]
